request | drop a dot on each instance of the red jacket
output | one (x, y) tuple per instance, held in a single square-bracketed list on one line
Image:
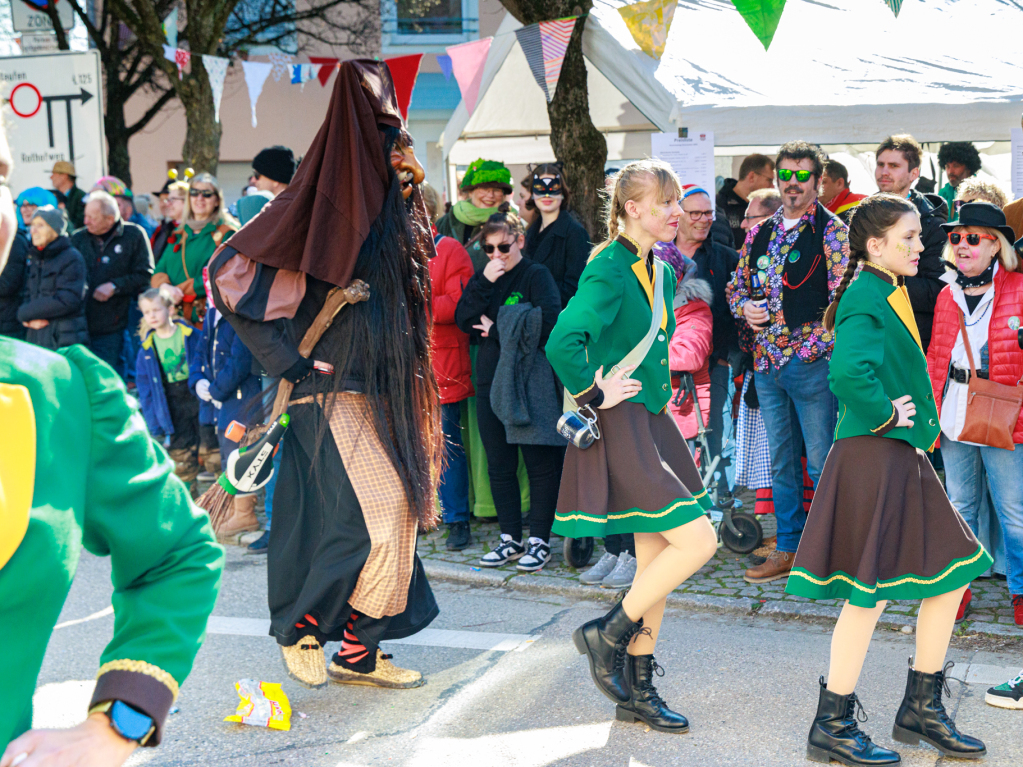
[(450, 270), (1005, 358), (844, 202), (689, 350)]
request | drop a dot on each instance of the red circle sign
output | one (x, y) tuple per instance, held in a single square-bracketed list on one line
[(39, 100)]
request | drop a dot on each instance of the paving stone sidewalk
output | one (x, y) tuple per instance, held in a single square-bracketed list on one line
[(717, 586)]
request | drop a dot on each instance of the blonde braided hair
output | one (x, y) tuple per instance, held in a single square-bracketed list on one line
[(631, 183)]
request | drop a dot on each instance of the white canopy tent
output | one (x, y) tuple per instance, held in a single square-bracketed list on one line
[(945, 70)]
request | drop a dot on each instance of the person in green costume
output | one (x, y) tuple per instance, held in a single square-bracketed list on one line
[(881, 526), (206, 225), (78, 469), (639, 476), (487, 182)]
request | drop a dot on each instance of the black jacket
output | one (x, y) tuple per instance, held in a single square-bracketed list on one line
[(122, 256), (563, 248), (12, 282), (734, 208), (924, 287), (715, 263), (55, 286)]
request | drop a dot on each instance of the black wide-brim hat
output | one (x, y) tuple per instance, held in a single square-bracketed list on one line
[(981, 214)]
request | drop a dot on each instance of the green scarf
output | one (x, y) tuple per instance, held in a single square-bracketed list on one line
[(470, 215)]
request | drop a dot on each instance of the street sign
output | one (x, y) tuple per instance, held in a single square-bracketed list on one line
[(53, 111), (38, 42), (31, 16)]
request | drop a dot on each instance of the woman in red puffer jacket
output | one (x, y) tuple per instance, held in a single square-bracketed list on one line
[(987, 292), (690, 348)]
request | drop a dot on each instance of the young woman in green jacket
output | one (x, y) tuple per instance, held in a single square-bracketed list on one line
[(881, 526), (639, 477)]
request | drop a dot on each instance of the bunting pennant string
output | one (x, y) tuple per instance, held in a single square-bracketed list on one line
[(303, 73), (554, 37), (170, 29), (444, 62), (327, 67), (181, 58), (649, 22), (216, 70), (762, 16), (281, 64), (404, 73), (256, 73), (895, 5), (467, 62), (532, 47)]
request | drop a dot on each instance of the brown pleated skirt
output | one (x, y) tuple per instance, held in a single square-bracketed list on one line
[(639, 477), (881, 527)]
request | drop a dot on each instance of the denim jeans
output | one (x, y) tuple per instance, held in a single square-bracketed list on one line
[(454, 482), (966, 467), (108, 348), (717, 426), (798, 407)]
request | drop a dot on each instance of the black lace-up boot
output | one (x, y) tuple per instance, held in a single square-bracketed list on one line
[(836, 734), (922, 716), (646, 705), (604, 642)]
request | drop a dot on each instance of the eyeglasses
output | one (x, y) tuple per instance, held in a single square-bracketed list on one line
[(973, 238), (204, 193), (504, 247), (696, 215), (802, 176)]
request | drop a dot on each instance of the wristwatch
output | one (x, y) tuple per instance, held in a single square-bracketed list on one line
[(127, 722)]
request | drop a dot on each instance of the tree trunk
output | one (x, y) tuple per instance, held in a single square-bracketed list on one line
[(574, 138), (201, 150), (114, 124)]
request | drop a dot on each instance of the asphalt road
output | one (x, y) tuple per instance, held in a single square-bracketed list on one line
[(747, 684)]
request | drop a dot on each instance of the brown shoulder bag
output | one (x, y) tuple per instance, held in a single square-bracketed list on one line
[(992, 409)]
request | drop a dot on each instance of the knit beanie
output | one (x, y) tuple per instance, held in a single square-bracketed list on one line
[(54, 218), (276, 163)]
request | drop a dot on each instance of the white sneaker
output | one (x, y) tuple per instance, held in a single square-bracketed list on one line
[(506, 551), (623, 574), (538, 554), (599, 571)]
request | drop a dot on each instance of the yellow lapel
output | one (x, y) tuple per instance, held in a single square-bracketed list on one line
[(17, 467), (899, 301), (640, 270)]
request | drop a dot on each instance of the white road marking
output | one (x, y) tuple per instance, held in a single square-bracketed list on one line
[(108, 610), (468, 640)]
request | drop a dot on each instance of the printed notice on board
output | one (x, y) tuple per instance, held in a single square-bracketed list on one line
[(691, 158), (1017, 163)]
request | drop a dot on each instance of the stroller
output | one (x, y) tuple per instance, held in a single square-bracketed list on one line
[(740, 531)]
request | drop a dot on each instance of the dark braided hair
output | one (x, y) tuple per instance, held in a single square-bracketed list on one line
[(871, 219), (505, 220)]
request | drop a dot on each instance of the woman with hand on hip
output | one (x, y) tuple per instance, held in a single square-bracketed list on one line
[(610, 349), (881, 526)]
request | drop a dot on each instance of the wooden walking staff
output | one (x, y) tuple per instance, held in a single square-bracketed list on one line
[(217, 500)]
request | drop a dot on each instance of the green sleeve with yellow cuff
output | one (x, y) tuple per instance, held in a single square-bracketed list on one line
[(87, 474)]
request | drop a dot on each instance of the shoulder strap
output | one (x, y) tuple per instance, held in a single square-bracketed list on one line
[(966, 343)]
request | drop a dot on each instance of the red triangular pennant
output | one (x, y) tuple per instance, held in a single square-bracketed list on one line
[(327, 67), (404, 72)]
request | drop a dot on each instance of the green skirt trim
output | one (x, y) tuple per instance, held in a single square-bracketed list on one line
[(840, 585), (703, 498), (577, 524)]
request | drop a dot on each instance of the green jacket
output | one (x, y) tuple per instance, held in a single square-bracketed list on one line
[(606, 319), (187, 252), (78, 469), (877, 359), (74, 207), (948, 194)]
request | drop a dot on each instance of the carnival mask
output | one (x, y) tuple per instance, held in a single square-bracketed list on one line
[(546, 187), (405, 164)]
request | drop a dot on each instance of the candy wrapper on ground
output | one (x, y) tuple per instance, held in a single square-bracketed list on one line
[(263, 704)]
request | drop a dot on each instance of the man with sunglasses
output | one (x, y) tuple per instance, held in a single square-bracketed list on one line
[(799, 254), (897, 169)]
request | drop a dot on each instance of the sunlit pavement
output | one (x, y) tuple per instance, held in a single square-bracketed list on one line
[(506, 687)]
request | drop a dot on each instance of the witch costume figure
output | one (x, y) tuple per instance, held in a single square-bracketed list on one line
[(881, 526), (359, 457)]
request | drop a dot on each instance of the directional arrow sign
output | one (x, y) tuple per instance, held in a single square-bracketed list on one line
[(84, 96)]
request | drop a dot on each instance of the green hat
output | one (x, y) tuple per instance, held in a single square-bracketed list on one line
[(487, 172)]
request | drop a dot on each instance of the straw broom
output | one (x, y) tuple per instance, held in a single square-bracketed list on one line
[(217, 501)]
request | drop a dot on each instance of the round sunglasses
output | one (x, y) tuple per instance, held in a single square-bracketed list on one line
[(973, 238), (802, 176)]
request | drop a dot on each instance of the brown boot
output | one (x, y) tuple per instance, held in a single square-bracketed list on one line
[(185, 465), (210, 458), (778, 565), (760, 554), (242, 519)]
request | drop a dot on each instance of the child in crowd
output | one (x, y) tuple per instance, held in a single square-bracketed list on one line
[(222, 375), (161, 375)]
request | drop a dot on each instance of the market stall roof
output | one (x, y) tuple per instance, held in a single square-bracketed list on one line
[(943, 70)]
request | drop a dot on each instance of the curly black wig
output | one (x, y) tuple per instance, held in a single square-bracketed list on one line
[(962, 152)]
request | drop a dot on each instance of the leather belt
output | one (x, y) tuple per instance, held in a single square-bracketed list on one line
[(963, 376)]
